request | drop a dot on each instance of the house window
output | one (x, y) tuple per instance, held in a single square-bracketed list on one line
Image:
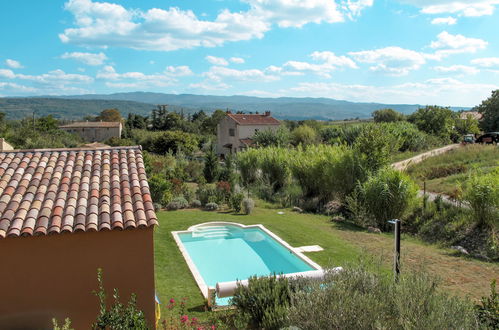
[(232, 132)]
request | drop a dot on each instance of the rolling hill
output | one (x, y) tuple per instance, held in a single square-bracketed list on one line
[(77, 106)]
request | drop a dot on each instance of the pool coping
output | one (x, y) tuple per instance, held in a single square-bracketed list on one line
[(207, 290)]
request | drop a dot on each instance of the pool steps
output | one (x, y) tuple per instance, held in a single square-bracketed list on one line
[(212, 232)]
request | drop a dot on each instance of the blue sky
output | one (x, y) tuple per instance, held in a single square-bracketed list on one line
[(442, 52)]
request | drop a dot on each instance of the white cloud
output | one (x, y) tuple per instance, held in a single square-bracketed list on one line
[(394, 61), (448, 44), (216, 60), (210, 86), (237, 60), (86, 58), (105, 24), (471, 8), (13, 64), (354, 8), (50, 83), (486, 62), (459, 69), (6, 73), (329, 62), (296, 13), (444, 20), (219, 73), (135, 79), (178, 71), (431, 91)]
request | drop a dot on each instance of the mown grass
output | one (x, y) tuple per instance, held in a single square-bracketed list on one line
[(444, 173), (174, 280), (343, 243)]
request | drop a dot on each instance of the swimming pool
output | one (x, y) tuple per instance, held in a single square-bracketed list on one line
[(221, 252)]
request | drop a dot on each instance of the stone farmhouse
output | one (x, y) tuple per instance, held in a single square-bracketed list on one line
[(94, 131), (235, 131), (64, 213)]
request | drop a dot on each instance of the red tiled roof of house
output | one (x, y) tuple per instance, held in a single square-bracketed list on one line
[(260, 119), (50, 191), (88, 124), (247, 142)]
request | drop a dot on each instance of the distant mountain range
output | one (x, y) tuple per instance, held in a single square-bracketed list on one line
[(77, 106)]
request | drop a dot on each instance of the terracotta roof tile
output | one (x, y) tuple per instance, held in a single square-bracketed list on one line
[(251, 119), (67, 190)]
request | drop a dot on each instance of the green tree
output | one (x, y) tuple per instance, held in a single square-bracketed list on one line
[(467, 126), (209, 125), (387, 115), (211, 166), (489, 108), (172, 141), (372, 147), (268, 137), (304, 135), (434, 120), (109, 115), (47, 123)]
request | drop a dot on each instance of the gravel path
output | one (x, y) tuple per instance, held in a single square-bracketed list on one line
[(404, 164)]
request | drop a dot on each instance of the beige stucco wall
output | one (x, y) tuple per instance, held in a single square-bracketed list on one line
[(95, 134), (53, 276), (241, 132), (4, 146)]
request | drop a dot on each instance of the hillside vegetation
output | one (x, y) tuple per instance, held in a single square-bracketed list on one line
[(444, 173)]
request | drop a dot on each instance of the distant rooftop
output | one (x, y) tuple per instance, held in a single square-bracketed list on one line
[(93, 124), (250, 119)]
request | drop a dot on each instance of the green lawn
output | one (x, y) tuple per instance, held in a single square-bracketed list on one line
[(444, 172), (342, 243), (174, 280)]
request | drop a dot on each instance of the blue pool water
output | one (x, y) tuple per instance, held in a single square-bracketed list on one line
[(229, 253)]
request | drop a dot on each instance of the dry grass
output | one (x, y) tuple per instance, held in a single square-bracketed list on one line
[(459, 275)]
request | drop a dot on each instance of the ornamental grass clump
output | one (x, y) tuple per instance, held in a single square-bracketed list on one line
[(386, 195), (482, 193)]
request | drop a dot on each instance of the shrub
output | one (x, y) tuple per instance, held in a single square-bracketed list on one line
[(223, 191), (166, 198), (207, 193), (361, 298), (117, 315), (304, 135), (268, 137), (211, 207), (387, 115), (385, 195), (158, 186), (482, 193), (488, 309), (265, 301), (178, 203), (196, 203), (248, 205), (235, 201)]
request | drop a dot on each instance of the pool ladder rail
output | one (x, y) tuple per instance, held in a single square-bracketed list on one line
[(212, 232)]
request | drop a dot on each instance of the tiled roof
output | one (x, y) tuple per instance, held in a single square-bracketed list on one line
[(50, 191), (88, 124), (247, 142), (244, 119)]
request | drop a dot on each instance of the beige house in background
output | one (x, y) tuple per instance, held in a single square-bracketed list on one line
[(235, 131), (4, 146), (94, 131)]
